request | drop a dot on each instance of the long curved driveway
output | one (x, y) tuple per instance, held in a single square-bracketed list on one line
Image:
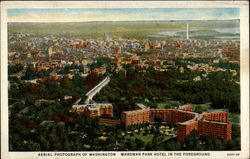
[(97, 88)]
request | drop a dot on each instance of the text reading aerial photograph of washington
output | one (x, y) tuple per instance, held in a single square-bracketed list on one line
[(91, 82)]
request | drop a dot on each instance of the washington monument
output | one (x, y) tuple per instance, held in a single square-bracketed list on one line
[(187, 33)]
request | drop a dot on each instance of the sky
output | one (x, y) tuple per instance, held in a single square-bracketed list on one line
[(119, 14)]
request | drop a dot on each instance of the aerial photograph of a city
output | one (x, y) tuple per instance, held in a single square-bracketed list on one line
[(124, 79)]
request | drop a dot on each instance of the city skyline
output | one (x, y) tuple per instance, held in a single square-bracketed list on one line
[(119, 14)]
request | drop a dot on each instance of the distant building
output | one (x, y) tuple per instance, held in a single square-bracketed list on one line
[(101, 70), (93, 109), (135, 61), (106, 37), (85, 69), (181, 69), (50, 51)]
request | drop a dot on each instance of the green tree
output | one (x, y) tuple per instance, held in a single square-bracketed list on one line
[(66, 82), (172, 146), (14, 68), (30, 73), (192, 142)]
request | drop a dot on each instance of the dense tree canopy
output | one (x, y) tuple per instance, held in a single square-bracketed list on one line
[(14, 68), (134, 85)]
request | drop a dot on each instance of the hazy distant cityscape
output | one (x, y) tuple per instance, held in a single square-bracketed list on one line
[(124, 85)]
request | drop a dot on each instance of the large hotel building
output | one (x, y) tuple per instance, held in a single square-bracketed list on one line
[(207, 123)]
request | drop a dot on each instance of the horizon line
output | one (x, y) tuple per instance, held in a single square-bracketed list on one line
[(128, 21)]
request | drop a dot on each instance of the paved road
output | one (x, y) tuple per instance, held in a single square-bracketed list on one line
[(96, 89)]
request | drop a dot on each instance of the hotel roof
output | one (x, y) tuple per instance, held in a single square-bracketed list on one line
[(142, 106), (134, 111), (217, 110), (216, 122)]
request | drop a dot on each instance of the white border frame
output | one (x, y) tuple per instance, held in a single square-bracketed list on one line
[(244, 66)]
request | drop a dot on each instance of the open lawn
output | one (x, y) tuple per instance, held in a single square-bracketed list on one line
[(147, 138), (161, 105), (202, 107), (168, 103)]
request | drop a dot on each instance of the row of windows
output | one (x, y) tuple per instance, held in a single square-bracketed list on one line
[(209, 125)]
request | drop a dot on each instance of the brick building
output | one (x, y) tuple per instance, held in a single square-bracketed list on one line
[(101, 70), (143, 114), (216, 116), (93, 109), (109, 121), (184, 129), (207, 123), (187, 107), (135, 117), (219, 129), (171, 115)]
